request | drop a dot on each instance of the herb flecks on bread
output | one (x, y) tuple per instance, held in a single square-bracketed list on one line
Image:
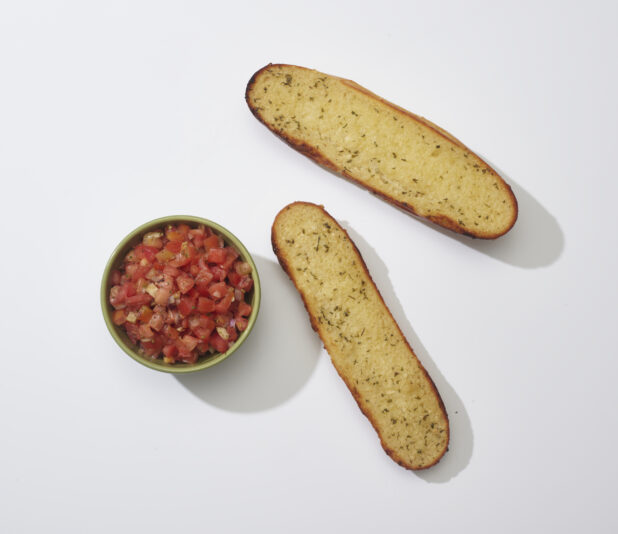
[(397, 155), (365, 343)]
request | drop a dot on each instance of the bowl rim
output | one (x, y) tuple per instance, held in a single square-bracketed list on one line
[(126, 242)]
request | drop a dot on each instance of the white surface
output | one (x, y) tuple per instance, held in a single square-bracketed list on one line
[(117, 112)]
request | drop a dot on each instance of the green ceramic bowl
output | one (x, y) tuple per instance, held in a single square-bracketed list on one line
[(118, 332)]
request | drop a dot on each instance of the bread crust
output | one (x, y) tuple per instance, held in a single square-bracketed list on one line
[(316, 326), (320, 158)]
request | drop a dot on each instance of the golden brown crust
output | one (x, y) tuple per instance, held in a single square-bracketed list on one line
[(317, 156), (316, 326)]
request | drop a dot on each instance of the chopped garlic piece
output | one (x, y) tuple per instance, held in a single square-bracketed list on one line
[(151, 289), (223, 333)]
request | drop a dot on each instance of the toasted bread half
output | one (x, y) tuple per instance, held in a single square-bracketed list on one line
[(366, 346), (399, 156)]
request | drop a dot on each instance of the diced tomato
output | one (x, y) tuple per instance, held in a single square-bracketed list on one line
[(232, 334), (212, 241), (119, 317), (145, 332), (150, 252), (198, 239), (239, 296), (170, 351), (241, 323), (141, 285), (234, 278), (153, 348), (194, 294), (180, 260), (174, 317), (190, 342), (136, 254), (173, 246), (202, 263), (216, 255), (188, 250), (218, 343), (207, 322), (184, 354), (140, 272), (202, 282), (230, 256), (194, 321), (162, 296), (205, 305), (139, 300), (185, 283), (202, 333), (142, 251), (171, 271), (185, 306), (185, 256), (219, 273), (184, 230), (157, 321), (131, 256), (187, 357), (244, 309), (200, 231), (172, 234), (166, 283), (165, 255), (246, 283), (153, 239), (218, 290), (205, 273), (201, 325), (170, 332), (117, 297), (129, 289), (153, 275), (224, 304), (131, 268), (145, 314)]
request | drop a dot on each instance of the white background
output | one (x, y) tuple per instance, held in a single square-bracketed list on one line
[(114, 113)]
